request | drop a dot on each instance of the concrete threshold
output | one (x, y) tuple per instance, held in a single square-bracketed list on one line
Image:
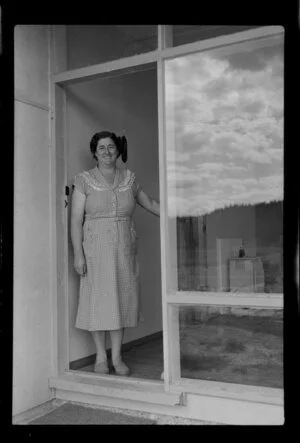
[(151, 392)]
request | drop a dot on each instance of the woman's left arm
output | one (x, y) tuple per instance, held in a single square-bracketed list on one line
[(148, 203)]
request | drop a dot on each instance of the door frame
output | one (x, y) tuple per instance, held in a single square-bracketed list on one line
[(170, 303)]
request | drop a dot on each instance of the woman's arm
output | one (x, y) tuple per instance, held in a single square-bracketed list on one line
[(77, 213), (148, 203)]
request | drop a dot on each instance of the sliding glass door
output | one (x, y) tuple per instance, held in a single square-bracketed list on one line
[(223, 114)]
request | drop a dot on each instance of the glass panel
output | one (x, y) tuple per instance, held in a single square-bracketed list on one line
[(183, 34), (91, 44), (232, 345), (224, 130)]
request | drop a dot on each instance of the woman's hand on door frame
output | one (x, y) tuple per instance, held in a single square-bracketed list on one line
[(148, 203)]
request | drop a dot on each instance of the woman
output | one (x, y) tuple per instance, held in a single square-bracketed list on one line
[(105, 247)]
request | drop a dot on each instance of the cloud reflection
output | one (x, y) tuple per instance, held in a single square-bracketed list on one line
[(225, 128)]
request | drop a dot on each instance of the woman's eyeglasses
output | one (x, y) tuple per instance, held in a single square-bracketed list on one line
[(111, 148)]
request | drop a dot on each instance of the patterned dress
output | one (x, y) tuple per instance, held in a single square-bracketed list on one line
[(110, 290)]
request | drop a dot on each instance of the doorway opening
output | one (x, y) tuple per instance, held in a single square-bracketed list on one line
[(126, 103)]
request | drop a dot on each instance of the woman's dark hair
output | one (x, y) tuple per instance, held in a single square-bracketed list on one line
[(120, 142)]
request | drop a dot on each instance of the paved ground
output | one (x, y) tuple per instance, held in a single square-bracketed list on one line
[(71, 413)]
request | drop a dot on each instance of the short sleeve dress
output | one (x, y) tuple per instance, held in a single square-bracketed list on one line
[(109, 296)]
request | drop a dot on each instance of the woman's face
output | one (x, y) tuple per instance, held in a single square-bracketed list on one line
[(106, 151)]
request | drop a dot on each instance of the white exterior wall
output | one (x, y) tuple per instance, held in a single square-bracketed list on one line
[(32, 327)]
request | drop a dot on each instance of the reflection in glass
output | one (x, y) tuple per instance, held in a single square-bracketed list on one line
[(232, 345), (224, 121), (93, 44), (183, 34)]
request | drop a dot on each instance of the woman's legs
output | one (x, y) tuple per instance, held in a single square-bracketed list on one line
[(99, 339), (116, 337)]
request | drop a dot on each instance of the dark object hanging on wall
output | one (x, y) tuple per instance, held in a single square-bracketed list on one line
[(241, 252)]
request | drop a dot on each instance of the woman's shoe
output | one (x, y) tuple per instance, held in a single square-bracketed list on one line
[(101, 368), (121, 369)]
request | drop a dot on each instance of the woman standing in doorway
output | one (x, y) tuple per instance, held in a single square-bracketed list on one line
[(105, 247)]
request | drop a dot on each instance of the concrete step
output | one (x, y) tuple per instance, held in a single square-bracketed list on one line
[(148, 391)]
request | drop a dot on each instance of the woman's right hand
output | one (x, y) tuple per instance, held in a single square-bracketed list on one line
[(80, 264)]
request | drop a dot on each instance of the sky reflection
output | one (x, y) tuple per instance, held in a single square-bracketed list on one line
[(225, 128)]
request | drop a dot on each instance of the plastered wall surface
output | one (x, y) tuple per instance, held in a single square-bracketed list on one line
[(32, 322), (31, 63), (125, 104)]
